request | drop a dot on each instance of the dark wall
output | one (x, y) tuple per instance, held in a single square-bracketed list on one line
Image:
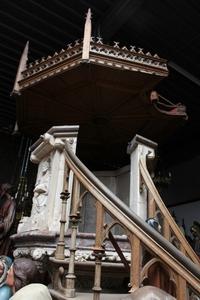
[(9, 150), (182, 196), (185, 183)]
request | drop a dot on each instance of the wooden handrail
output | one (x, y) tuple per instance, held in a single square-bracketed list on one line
[(169, 223), (140, 230)]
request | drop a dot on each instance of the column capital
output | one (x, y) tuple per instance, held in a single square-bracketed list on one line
[(54, 138), (140, 140)]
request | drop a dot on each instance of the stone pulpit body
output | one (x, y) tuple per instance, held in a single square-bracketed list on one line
[(47, 152)]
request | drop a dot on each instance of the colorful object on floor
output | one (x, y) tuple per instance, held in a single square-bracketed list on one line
[(5, 264)]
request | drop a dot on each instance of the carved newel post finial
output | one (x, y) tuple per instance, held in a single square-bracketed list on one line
[(87, 36), (60, 249)]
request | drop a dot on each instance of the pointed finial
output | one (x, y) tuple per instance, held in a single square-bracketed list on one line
[(22, 67), (87, 36), (16, 129), (88, 16)]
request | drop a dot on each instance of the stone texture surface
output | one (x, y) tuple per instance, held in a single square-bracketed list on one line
[(89, 296)]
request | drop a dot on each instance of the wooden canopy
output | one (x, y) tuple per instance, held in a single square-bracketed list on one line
[(102, 88)]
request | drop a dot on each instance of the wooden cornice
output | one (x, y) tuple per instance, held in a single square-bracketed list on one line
[(94, 51), (114, 57)]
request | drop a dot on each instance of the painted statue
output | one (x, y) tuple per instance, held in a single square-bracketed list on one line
[(7, 216)]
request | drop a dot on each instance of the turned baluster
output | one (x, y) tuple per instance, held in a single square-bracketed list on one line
[(98, 250), (74, 219), (70, 277), (60, 248)]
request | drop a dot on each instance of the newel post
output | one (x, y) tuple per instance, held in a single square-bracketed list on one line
[(139, 148)]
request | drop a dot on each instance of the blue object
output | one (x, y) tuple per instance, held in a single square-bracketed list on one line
[(5, 292), (154, 223), (6, 263)]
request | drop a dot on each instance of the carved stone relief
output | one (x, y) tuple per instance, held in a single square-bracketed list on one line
[(40, 197)]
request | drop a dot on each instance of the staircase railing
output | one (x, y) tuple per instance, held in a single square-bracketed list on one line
[(158, 210), (183, 272)]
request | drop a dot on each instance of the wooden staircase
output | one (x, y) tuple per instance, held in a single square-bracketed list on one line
[(163, 259)]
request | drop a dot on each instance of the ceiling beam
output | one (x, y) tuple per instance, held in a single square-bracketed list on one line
[(18, 33), (17, 21), (155, 35), (6, 102), (10, 74), (66, 6), (7, 56), (117, 16), (5, 94), (92, 6), (11, 49), (11, 43), (7, 112), (6, 78), (184, 72), (5, 84), (10, 110), (8, 65), (58, 16), (37, 18)]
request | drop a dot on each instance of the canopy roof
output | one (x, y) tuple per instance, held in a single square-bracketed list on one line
[(103, 88), (170, 29)]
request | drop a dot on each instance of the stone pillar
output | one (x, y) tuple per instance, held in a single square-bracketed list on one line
[(48, 153), (138, 148)]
